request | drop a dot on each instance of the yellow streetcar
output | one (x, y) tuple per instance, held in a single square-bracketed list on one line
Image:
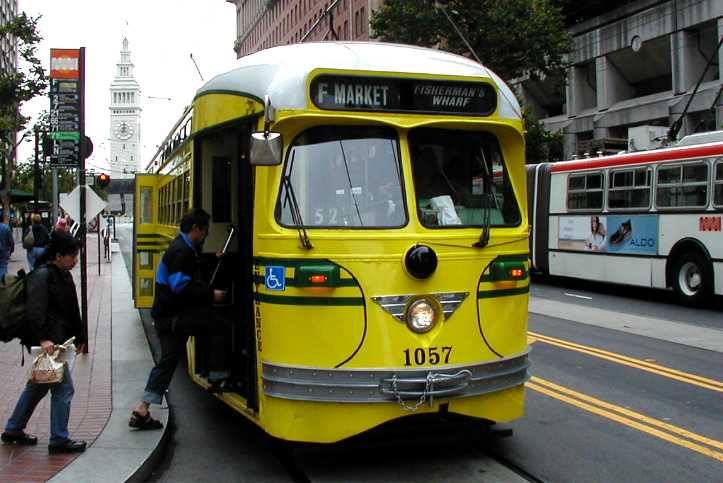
[(380, 263)]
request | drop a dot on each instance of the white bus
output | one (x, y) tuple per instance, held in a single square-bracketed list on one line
[(650, 219)]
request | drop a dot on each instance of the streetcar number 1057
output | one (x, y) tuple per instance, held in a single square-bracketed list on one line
[(431, 355)]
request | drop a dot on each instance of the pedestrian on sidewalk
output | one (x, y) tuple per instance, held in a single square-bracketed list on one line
[(41, 237), (54, 316), (61, 225), (182, 307), (7, 246)]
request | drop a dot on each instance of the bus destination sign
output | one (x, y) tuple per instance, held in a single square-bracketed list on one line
[(353, 93)]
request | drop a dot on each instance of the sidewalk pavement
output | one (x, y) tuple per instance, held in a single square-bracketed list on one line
[(108, 382)]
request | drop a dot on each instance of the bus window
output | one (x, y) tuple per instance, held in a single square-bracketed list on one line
[(454, 173), (344, 177), (718, 200), (584, 191), (682, 185), (629, 189)]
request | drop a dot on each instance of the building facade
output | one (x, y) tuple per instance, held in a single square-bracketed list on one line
[(261, 24), (125, 119), (636, 66), (8, 46)]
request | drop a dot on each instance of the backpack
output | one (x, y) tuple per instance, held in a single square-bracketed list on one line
[(12, 307), (29, 240)]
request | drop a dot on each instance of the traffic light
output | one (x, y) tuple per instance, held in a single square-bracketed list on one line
[(102, 181)]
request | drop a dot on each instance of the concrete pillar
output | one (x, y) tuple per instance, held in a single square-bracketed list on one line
[(600, 132), (604, 95), (569, 103), (582, 89), (692, 62), (569, 143), (612, 87), (528, 100)]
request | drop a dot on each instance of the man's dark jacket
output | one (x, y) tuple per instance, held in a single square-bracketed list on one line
[(52, 307), (179, 287)]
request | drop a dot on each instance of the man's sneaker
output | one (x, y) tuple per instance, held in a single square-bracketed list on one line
[(20, 438), (67, 446)]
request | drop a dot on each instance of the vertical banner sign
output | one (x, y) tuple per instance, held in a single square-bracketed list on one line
[(67, 78), (65, 102)]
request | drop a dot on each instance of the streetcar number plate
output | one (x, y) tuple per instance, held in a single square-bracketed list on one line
[(429, 355)]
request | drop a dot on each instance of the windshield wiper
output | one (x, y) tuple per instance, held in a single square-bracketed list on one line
[(295, 211), (484, 237), (348, 177)]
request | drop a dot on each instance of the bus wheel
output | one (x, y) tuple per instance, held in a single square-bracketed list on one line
[(692, 280)]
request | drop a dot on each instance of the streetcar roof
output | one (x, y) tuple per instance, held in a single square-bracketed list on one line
[(282, 72)]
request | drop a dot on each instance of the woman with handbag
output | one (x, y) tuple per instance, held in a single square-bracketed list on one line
[(54, 317)]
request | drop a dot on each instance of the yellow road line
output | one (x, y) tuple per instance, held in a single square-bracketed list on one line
[(645, 424), (629, 413), (668, 372)]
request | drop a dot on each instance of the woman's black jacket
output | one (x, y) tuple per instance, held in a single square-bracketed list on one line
[(40, 235), (52, 307)]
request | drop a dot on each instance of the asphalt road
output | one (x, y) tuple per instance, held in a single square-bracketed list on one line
[(621, 391)]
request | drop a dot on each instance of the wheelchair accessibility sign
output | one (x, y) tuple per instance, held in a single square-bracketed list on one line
[(275, 278)]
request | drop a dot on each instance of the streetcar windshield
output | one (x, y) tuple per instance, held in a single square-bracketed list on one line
[(348, 177), (460, 179)]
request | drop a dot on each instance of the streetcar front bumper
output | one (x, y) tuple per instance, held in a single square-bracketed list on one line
[(417, 386)]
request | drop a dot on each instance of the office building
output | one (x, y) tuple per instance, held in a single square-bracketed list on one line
[(635, 64), (8, 45), (261, 24)]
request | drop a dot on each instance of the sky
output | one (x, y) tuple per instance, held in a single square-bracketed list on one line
[(161, 35)]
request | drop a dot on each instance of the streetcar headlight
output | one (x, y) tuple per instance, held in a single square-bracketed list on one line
[(422, 314)]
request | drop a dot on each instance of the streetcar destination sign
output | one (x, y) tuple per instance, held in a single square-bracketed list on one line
[(355, 93)]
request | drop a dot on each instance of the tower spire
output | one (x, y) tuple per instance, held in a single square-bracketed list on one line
[(125, 112)]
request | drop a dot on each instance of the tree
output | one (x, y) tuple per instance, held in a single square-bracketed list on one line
[(16, 88), (541, 145), (514, 38), (23, 179)]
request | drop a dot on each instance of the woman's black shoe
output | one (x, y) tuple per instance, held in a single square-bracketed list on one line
[(20, 438), (67, 446)]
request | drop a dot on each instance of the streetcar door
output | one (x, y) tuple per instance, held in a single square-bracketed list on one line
[(146, 239), (223, 182)]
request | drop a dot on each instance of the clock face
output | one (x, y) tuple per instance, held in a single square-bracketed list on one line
[(123, 131)]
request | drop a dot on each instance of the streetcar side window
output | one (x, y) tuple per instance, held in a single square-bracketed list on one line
[(585, 191), (682, 186), (146, 205), (718, 183), (629, 188)]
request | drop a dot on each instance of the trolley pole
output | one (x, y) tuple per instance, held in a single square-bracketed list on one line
[(36, 173), (83, 225), (97, 223), (55, 195)]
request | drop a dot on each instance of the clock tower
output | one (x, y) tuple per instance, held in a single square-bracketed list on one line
[(125, 113)]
